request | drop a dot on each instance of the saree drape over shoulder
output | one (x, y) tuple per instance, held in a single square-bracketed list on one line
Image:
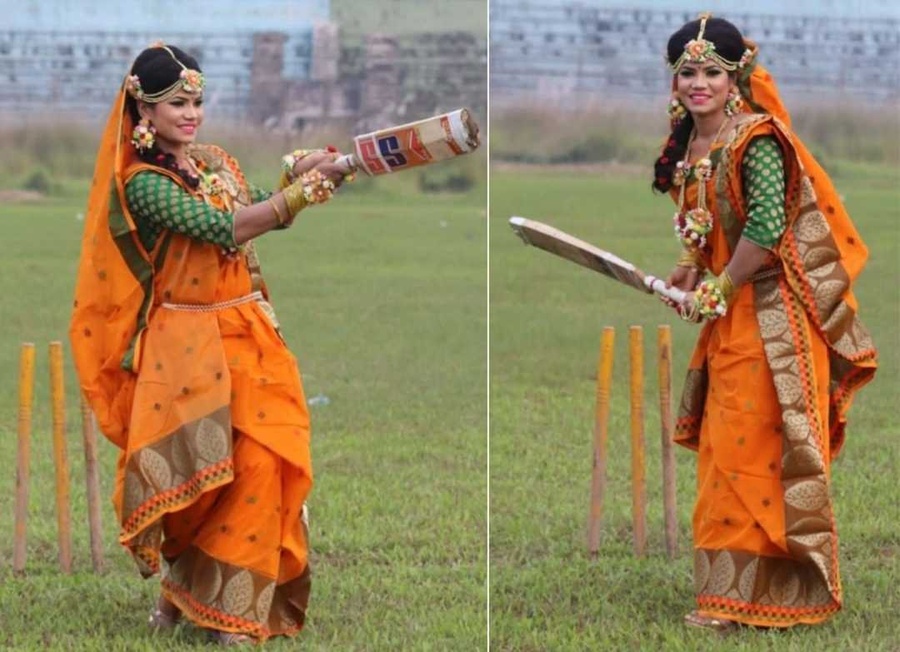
[(182, 362), (767, 394)]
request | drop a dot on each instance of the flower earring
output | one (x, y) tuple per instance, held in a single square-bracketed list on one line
[(734, 103), (676, 110), (144, 136)]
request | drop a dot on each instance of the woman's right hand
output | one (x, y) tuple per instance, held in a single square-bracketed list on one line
[(683, 278), (310, 161), (333, 171)]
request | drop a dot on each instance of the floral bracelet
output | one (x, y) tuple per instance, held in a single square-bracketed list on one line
[(312, 187), (710, 300), (711, 297), (288, 161)]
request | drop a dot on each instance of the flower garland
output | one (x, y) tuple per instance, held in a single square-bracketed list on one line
[(693, 226)]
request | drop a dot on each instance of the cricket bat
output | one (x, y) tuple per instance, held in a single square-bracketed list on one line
[(411, 145), (562, 244)]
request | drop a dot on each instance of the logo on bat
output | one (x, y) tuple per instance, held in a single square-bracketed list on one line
[(398, 149)]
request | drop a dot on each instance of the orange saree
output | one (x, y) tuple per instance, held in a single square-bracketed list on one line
[(180, 358), (766, 396)]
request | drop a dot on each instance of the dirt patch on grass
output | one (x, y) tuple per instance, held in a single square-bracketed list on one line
[(612, 169), (19, 196)]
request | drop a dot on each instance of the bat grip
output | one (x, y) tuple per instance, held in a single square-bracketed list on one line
[(659, 286), (348, 163)]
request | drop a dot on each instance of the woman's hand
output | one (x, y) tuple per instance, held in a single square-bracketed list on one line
[(333, 171), (685, 279), (310, 161), (324, 162)]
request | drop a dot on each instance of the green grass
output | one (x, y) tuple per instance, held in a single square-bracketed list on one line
[(382, 298), (546, 318)]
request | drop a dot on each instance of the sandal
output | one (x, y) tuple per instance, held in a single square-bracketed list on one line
[(159, 620), (230, 638), (164, 616), (721, 625)]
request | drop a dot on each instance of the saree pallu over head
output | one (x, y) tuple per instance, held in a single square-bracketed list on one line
[(114, 284), (768, 389)]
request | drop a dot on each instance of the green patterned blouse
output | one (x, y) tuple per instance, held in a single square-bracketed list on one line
[(157, 202), (763, 176)]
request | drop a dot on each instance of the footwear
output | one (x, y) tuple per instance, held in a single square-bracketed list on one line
[(160, 620), (230, 638), (164, 616), (721, 625)]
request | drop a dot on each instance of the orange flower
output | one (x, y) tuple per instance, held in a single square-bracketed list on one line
[(193, 80)]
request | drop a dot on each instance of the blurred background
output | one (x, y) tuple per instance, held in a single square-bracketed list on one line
[(595, 70), (279, 75)]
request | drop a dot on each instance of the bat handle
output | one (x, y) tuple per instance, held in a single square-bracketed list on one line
[(348, 163), (659, 286)]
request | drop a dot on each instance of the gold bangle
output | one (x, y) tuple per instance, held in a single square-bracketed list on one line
[(285, 180), (727, 285), (295, 197), (278, 215), (689, 258)]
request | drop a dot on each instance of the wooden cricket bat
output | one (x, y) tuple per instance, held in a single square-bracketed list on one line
[(562, 244), (411, 145)]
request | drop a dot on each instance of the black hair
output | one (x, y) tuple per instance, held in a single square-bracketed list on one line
[(729, 44), (157, 71)]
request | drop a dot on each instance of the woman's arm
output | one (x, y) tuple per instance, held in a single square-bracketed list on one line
[(159, 201), (762, 172)]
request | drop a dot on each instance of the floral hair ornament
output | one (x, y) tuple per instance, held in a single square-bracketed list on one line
[(699, 50), (189, 80), (144, 136)]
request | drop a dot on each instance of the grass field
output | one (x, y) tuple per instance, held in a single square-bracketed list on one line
[(382, 298), (546, 318)]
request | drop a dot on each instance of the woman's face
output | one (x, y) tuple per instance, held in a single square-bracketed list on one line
[(177, 120), (702, 88)]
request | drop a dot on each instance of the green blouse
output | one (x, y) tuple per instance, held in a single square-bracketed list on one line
[(762, 171), (157, 202)]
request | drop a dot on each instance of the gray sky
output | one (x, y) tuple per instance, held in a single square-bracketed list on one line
[(834, 8), (168, 16)]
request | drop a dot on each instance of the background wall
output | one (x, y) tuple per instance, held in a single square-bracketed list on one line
[(584, 50), (283, 64)]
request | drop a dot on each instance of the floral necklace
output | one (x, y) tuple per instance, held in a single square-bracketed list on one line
[(692, 227)]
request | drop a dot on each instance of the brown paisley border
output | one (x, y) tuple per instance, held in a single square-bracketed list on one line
[(170, 474), (222, 596), (809, 521), (690, 410), (769, 590)]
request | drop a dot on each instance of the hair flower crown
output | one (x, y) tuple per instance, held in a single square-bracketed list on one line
[(189, 80), (699, 50)]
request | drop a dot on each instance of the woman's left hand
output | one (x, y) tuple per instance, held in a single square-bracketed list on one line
[(687, 309)]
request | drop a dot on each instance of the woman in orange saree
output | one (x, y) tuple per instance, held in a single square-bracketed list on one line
[(180, 356), (781, 353)]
